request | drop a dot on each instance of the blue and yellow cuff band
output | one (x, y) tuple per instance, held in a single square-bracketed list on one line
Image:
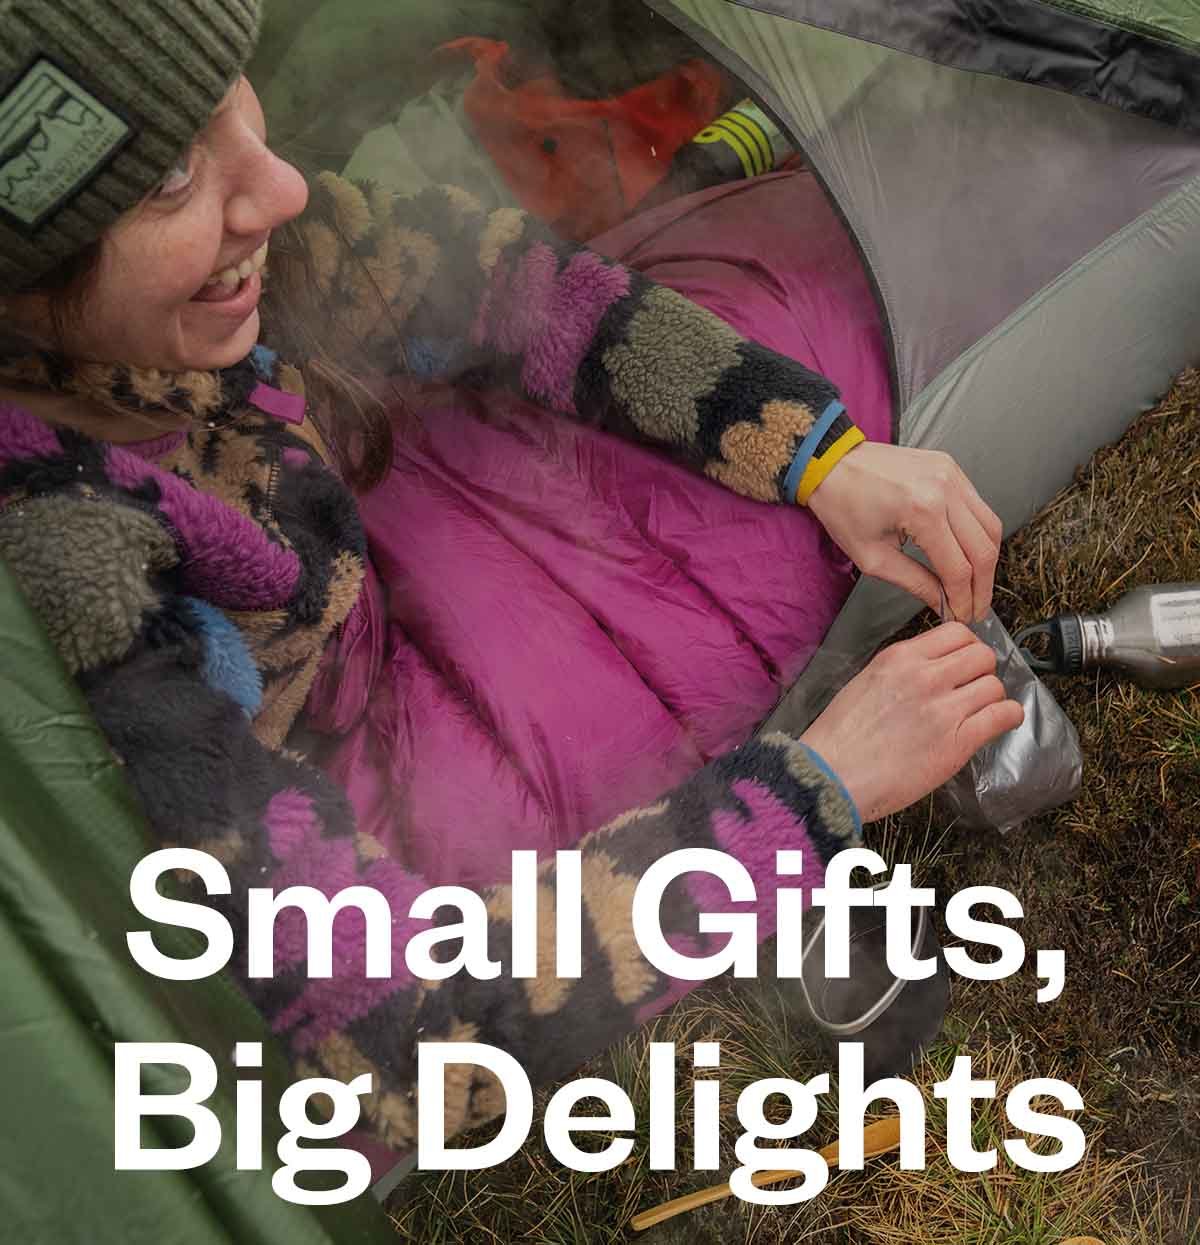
[(819, 468), (830, 439)]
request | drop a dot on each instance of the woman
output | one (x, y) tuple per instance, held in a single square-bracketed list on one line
[(169, 508)]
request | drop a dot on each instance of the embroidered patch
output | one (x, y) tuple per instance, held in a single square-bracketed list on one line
[(55, 137)]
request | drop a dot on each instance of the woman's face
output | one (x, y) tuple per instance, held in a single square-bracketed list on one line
[(179, 281)]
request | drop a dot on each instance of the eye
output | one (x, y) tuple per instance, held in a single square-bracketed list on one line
[(177, 180)]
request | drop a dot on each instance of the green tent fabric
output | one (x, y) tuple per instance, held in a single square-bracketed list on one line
[(1036, 254), (1136, 56), (1175, 19), (302, 60), (70, 835)]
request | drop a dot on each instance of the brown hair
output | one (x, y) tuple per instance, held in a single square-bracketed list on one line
[(352, 408), (66, 289), (353, 402)]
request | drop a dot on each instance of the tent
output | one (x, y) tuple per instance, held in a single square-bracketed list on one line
[(1030, 248), (1022, 183)]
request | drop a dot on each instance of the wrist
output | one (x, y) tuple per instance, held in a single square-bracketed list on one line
[(840, 785), (819, 469), (836, 485), (831, 438)]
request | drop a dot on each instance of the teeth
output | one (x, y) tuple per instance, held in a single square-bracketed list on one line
[(230, 278)]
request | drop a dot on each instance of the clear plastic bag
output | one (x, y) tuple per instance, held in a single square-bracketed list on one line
[(1027, 771)]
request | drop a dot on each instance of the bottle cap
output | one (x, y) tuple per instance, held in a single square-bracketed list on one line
[(1065, 634)]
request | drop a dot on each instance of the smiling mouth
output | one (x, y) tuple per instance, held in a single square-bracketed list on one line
[(229, 282)]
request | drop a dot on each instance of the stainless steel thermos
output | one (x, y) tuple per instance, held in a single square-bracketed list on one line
[(1152, 635)]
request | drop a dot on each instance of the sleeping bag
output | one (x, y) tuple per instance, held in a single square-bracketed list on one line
[(572, 623)]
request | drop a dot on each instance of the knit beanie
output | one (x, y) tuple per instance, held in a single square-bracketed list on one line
[(98, 101)]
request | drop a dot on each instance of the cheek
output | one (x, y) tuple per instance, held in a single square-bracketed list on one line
[(178, 275), (159, 265), (136, 306)]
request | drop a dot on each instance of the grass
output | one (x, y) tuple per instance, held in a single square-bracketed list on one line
[(1113, 879)]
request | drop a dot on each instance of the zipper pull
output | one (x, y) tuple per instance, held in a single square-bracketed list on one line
[(288, 407)]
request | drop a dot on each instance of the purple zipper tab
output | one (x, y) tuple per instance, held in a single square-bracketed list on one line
[(275, 402)]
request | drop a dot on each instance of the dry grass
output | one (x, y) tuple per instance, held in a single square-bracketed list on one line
[(1114, 880)]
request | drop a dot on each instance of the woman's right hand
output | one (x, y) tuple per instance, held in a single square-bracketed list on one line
[(913, 718), (880, 495)]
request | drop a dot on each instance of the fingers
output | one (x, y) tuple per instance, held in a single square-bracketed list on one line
[(982, 553), (989, 723), (966, 664), (961, 537), (884, 490), (974, 697), (941, 641), (905, 572), (989, 520), (979, 532), (938, 539)]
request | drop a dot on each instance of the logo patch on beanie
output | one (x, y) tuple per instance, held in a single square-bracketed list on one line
[(55, 138)]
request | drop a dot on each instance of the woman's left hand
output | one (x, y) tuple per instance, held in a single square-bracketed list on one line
[(880, 495)]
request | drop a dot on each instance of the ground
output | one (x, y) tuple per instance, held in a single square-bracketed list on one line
[(1113, 880)]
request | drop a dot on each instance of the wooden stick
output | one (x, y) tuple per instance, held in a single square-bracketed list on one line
[(878, 1138)]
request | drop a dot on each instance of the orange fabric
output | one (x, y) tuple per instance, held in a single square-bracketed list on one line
[(581, 165)]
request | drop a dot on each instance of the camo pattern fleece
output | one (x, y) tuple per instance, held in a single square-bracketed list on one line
[(191, 584), (138, 588), (587, 337)]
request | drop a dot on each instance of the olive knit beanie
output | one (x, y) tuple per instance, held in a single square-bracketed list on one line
[(98, 100)]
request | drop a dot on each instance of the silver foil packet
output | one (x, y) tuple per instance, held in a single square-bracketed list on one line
[(1026, 771)]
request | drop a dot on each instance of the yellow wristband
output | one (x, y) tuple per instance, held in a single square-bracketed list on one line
[(819, 468)]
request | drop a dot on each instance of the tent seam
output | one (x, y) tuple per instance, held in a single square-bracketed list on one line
[(1011, 322), (761, 6), (767, 96)]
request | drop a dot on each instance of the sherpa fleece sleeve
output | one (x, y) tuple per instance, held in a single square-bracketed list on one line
[(207, 783), (174, 688), (574, 331), (174, 696)]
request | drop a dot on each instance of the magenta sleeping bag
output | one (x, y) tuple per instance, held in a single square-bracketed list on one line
[(562, 624)]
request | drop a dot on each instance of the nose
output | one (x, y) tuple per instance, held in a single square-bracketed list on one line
[(269, 193)]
